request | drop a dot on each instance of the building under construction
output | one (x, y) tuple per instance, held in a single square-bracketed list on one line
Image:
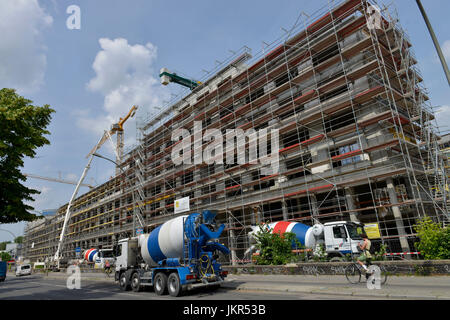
[(357, 141)]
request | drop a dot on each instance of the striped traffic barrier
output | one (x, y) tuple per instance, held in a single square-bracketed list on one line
[(400, 253)]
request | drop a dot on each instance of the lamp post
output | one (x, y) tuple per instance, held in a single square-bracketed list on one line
[(9, 232), (100, 156)]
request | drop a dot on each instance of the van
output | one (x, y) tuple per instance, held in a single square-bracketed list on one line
[(23, 270)]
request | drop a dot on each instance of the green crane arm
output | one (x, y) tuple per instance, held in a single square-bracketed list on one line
[(173, 77)]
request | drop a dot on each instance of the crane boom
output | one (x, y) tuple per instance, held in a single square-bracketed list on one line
[(35, 176), (106, 135), (122, 121), (116, 128)]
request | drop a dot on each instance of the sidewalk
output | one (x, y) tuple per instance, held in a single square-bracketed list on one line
[(396, 287)]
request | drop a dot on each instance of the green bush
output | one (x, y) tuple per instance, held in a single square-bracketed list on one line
[(275, 249), (434, 240), (380, 254), (5, 256)]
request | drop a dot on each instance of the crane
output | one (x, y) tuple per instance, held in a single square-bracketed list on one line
[(167, 77), (75, 192), (116, 128), (35, 176)]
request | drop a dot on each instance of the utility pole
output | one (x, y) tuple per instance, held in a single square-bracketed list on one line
[(435, 41)]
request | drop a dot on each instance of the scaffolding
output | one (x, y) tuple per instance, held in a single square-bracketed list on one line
[(358, 140)]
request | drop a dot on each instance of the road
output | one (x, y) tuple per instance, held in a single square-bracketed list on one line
[(277, 295), (37, 287), (95, 286)]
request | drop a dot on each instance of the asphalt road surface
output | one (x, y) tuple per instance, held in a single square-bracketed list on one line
[(36, 287)]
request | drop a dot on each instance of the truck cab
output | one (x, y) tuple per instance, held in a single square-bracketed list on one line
[(126, 254), (342, 237), (105, 255)]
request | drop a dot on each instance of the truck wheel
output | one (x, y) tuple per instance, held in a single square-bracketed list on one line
[(136, 282), (124, 284), (160, 285), (174, 285)]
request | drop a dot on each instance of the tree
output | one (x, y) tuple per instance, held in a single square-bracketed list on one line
[(19, 239), (5, 256), (434, 240), (22, 131), (3, 245)]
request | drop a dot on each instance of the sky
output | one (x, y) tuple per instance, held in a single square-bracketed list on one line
[(93, 75)]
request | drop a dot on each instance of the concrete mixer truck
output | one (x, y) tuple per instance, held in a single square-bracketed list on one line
[(99, 257), (339, 238), (179, 255)]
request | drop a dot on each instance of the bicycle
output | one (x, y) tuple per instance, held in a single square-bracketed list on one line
[(354, 271), (108, 271)]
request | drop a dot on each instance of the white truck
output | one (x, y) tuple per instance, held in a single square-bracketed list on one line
[(338, 238), (99, 257)]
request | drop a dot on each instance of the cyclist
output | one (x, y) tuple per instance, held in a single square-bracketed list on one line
[(107, 266), (365, 255)]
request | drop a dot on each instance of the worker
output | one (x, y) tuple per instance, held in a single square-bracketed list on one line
[(365, 254)]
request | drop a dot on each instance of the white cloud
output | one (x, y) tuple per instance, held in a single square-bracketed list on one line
[(125, 76), (22, 52)]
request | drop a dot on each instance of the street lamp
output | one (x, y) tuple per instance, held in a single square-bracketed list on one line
[(435, 41), (100, 156), (9, 232)]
